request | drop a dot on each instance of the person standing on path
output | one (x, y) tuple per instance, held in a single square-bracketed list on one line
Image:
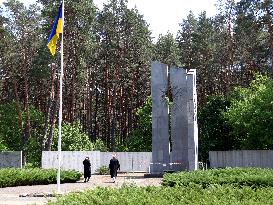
[(114, 166), (87, 169)]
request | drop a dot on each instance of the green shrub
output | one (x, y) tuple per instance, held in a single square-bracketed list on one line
[(103, 170), (73, 139), (3, 147), (30, 166), (215, 131), (222, 186), (32, 176), (11, 133), (100, 146), (214, 194), (250, 114), (140, 140), (254, 177)]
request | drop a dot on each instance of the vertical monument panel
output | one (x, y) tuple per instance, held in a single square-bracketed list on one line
[(192, 121), (160, 139), (179, 121)]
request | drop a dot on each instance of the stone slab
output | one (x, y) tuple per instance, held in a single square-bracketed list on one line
[(72, 160), (179, 120), (192, 121), (241, 158), (160, 118), (11, 159)]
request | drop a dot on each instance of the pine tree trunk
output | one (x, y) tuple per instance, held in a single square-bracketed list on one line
[(18, 107), (49, 105)]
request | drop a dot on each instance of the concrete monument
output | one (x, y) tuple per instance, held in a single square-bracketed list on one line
[(179, 118), (184, 131), (160, 116)]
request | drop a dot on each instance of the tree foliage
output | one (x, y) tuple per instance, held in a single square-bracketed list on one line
[(107, 56), (21, 46), (250, 114), (215, 133), (10, 131), (73, 139), (166, 50), (123, 71), (141, 138)]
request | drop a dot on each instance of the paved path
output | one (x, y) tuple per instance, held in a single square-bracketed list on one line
[(11, 195)]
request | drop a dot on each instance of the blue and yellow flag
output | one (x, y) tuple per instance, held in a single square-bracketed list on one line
[(55, 32)]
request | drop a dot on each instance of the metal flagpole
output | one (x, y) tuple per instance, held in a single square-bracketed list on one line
[(60, 108)]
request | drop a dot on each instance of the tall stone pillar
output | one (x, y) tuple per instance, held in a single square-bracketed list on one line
[(160, 125), (184, 129), (192, 121), (179, 119)]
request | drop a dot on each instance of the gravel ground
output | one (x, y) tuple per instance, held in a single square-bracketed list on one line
[(13, 195)]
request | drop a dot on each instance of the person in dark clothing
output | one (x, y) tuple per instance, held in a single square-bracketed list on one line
[(114, 166), (87, 169)]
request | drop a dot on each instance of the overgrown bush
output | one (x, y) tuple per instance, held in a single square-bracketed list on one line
[(103, 170), (21, 177)]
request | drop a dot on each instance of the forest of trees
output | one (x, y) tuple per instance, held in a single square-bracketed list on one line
[(107, 57)]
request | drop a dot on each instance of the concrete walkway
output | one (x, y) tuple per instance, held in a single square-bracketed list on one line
[(23, 195)]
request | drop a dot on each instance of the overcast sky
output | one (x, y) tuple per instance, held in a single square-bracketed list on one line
[(163, 15)]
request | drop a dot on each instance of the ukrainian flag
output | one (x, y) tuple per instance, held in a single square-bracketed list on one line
[(55, 32)]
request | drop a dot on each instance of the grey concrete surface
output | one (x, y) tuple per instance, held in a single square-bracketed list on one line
[(241, 158), (160, 119), (11, 159), (192, 121), (129, 161), (10, 195), (184, 129), (72, 160), (179, 119)]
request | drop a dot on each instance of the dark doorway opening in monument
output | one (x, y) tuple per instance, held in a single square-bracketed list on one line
[(170, 103), (169, 98)]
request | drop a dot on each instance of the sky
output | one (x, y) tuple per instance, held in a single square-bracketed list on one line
[(163, 15)]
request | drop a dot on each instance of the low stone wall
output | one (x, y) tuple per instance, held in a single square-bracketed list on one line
[(72, 160), (11, 159), (241, 158), (129, 161)]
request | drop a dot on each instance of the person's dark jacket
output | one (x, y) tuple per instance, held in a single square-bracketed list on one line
[(114, 166), (87, 168)]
